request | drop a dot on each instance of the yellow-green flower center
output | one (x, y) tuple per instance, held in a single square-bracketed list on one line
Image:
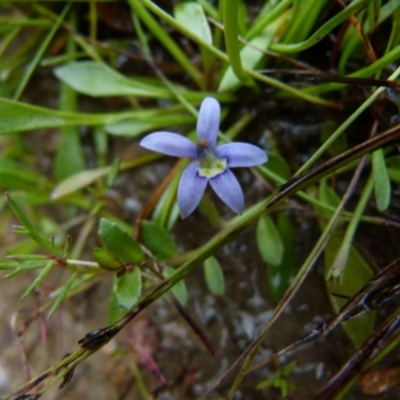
[(209, 164), (211, 169)]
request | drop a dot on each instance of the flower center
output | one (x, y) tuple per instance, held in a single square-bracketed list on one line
[(209, 164)]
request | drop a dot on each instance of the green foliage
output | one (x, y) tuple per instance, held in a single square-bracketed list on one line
[(214, 276), (119, 242), (269, 241), (106, 259), (356, 274), (128, 288), (191, 15), (280, 380), (179, 290), (353, 272), (381, 180), (279, 275), (95, 79), (158, 240), (40, 239)]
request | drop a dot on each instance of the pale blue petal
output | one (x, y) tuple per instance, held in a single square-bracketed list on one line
[(208, 121), (241, 154), (170, 144), (191, 189), (227, 187)]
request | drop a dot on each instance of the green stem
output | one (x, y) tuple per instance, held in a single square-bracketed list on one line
[(328, 143), (231, 32), (39, 53), (166, 40)]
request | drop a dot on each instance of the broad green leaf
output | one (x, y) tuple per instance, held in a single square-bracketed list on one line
[(78, 181), (157, 239), (95, 79), (135, 127), (355, 275), (269, 241), (129, 288), (279, 275), (115, 312), (191, 16), (20, 117), (381, 180), (119, 242), (106, 259), (179, 290), (214, 276)]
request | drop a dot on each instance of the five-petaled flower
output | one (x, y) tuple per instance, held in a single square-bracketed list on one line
[(210, 163)]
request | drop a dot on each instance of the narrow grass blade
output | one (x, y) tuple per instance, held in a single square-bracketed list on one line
[(63, 294), (39, 279)]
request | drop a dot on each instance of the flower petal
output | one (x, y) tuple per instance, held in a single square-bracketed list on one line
[(208, 121), (241, 154), (227, 187), (170, 144), (190, 190)]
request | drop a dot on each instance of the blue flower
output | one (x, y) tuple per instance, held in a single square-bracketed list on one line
[(210, 164)]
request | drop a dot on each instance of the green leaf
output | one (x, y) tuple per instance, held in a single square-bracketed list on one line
[(191, 16), (179, 289), (39, 279), (381, 180), (157, 239), (115, 312), (393, 165), (119, 242), (229, 13), (269, 241), (19, 117), (78, 181), (340, 145), (327, 195), (40, 239), (62, 294), (129, 288), (134, 127), (214, 276), (69, 158), (95, 79), (355, 275), (250, 55), (14, 175), (106, 259), (279, 165), (279, 275)]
